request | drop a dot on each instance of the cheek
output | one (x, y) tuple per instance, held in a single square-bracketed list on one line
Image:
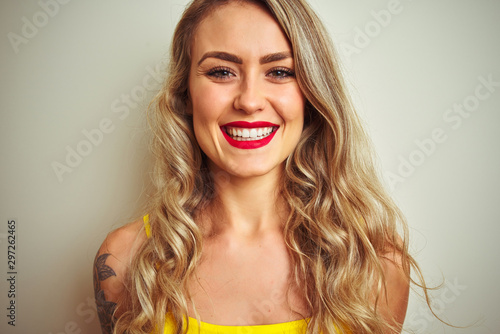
[(292, 104), (207, 103), (203, 113)]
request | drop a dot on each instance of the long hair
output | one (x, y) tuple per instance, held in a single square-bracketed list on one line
[(341, 222)]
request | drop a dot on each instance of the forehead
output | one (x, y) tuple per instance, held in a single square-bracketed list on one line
[(245, 29)]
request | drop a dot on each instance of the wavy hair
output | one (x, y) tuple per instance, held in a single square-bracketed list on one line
[(341, 221)]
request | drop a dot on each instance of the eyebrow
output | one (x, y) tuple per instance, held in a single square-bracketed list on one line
[(272, 57), (275, 57)]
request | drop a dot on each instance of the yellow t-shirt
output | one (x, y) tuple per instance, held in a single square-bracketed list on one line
[(292, 327)]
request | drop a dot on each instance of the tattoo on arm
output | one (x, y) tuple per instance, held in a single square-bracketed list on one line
[(105, 308)]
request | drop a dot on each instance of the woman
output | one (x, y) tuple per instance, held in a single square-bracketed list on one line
[(267, 214)]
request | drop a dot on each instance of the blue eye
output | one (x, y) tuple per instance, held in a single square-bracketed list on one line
[(220, 73), (281, 73)]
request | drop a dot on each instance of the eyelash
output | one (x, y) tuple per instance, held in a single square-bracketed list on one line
[(288, 73), (223, 73), (217, 72)]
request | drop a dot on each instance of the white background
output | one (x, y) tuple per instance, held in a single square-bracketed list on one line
[(79, 64)]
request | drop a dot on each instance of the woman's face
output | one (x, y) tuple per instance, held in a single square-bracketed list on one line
[(248, 110)]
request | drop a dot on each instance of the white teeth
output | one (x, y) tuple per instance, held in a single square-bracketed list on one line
[(244, 134)]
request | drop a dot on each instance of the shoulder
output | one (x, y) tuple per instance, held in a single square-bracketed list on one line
[(123, 242), (394, 298), (110, 268), (117, 251)]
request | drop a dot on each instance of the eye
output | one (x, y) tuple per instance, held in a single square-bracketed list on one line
[(281, 73), (220, 73)]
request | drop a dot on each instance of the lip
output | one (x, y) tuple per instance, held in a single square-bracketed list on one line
[(250, 125), (251, 144)]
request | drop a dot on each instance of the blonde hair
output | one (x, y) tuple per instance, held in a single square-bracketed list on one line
[(340, 221)]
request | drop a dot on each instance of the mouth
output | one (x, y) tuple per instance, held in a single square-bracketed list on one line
[(247, 135)]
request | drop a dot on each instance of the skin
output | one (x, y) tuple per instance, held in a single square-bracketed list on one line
[(102, 272), (252, 83), (110, 269), (394, 304), (224, 91), (243, 276)]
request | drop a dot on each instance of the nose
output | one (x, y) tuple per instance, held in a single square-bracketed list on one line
[(250, 98)]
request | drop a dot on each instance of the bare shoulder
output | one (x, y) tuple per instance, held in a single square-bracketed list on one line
[(394, 299), (110, 268), (123, 242)]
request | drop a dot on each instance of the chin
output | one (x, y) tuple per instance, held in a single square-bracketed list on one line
[(254, 170)]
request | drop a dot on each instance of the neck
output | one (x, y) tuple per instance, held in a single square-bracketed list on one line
[(245, 207)]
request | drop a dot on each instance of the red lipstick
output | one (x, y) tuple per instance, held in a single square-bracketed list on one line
[(249, 144)]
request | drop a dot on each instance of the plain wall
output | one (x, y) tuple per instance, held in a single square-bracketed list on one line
[(84, 65)]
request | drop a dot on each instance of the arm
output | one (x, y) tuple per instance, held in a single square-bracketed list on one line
[(110, 269), (103, 275), (393, 308)]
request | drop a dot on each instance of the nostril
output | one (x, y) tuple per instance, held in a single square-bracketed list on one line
[(249, 104)]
